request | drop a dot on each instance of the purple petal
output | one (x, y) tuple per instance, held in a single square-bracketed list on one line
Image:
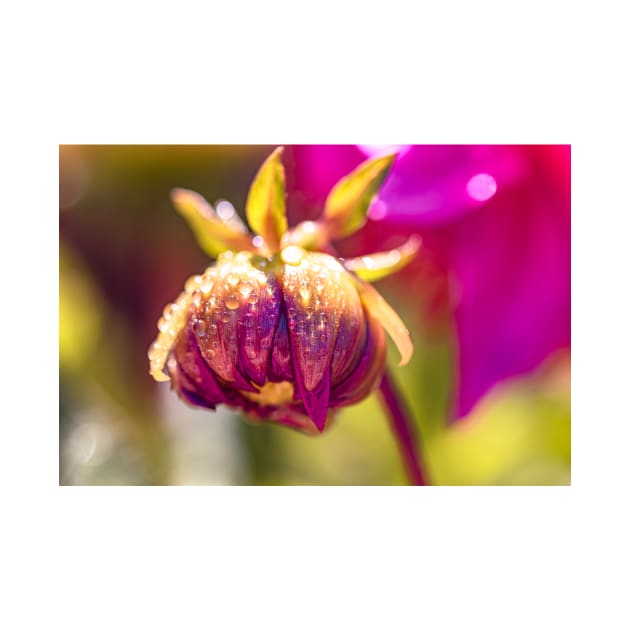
[(281, 367), (499, 216), (216, 319), (351, 338), (512, 264), (194, 375), (314, 170), (316, 401), (257, 327), (368, 372)]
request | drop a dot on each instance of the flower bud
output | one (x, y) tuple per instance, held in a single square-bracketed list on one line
[(281, 332), (284, 339)]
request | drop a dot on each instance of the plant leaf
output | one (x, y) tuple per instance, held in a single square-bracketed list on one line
[(347, 204), (379, 309), (265, 208), (382, 264), (212, 233)]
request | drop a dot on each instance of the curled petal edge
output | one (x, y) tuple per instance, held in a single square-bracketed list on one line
[(378, 308), (379, 265)]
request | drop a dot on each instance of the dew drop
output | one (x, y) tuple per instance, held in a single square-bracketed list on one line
[(232, 302), (226, 317), (292, 255), (211, 353), (304, 292), (245, 288), (212, 329), (232, 279), (193, 283), (197, 297), (200, 327), (253, 298)]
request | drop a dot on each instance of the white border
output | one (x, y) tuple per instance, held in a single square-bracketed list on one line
[(294, 557)]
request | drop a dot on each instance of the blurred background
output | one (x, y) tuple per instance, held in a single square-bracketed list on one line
[(483, 415)]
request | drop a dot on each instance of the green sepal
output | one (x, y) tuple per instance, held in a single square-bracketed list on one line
[(347, 204), (266, 208), (379, 265), (379, 309), (213, 234)]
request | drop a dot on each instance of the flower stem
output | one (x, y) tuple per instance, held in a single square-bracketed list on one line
[(402, 426)]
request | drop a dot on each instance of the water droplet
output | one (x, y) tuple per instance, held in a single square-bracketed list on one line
[(245, 288), (200, 327), (292, 255), (193, 283), (319, 286), (304, 291), (226, 317), (253, 298), (232, 302), (197, 297), (212, 329), (225, 210), (232, 279), (211, 353)]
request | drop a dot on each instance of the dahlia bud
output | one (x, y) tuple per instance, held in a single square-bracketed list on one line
[(277, 330)]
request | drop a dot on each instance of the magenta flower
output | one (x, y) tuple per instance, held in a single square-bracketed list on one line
[(499, 219), (279, 327)]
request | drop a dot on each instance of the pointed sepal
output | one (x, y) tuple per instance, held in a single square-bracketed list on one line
[(382, 264), (213, 234), (383, 312), (347, 204), (266, 208)]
